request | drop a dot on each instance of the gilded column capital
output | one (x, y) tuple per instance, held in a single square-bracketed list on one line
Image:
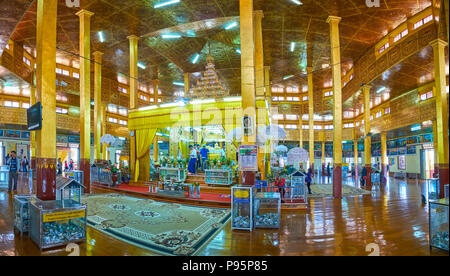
[(97, 54), (84, 13), (334, 19), (367, 87), (438, 42), (133, 37), (309, 69), (259, 14)]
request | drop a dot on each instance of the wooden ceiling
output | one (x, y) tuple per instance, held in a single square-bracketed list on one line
[(203, 21)]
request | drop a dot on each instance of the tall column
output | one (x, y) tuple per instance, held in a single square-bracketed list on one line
[(436, 155), (46, 94), (133, 96), (311, 118), (355, 156), (323, 158), (248, 77), (259, 54), (441, 111), (384, 158), (337, 104), (367, 139), (268, 89), (97, 105), (32, 133), (155, 83), (300, 128), (103, 130), (186, 84), (155, 149), (85, 96)]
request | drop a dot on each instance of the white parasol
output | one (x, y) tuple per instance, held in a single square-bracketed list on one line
[(281, 148), (107, 139), (297, 155), (275, 132)]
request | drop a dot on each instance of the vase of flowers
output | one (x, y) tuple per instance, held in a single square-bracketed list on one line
[(215, 161)]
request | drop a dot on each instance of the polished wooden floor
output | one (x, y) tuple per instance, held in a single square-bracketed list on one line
[(392, 217)]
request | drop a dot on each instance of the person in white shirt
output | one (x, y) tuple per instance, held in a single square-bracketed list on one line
[(192, 160)]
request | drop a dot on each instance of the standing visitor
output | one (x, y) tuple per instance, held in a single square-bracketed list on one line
[(204, 155), (193, 160), (308, 180), (198, 165), (7, 159), (71, 165), (328, 171), (24, 164), (66, 166), (59, 166), (279, 183), (13, 164)]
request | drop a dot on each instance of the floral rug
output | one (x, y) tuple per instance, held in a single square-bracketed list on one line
[(327, 191), (164, 228)]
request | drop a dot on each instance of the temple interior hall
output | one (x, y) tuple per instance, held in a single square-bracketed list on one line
[(224, 128)]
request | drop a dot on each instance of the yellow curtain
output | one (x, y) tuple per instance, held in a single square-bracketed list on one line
[(144, 139)]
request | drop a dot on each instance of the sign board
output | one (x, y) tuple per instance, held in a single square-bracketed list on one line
[(34, 117), (248, 158), (247, 125), (64, 215)]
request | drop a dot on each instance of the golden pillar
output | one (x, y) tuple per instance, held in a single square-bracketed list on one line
[(311, 118), (441, 111), (323, 157), (186, 84), (248, 78), (384, 158), (97, 105), (46, 94), (155, 83), (355, 156), (85, 96), (337, 104), (103, 130), (259, 54), (32, 133), (133, 95), (300, 128), (268, 89), (155, 150), (367, 139)]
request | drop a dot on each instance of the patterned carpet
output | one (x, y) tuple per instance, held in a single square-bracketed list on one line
[(327, 191), (164, 228)]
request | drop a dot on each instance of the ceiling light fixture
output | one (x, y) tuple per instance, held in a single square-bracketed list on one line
[(381, 90), (195, 59), (238, 51), (287, 77), (173, 104), (170, 36), (231, 25), (101, 37), (292, 46), (232, 99), (141, 65), (178, 83), (166, 3), (297, 2)]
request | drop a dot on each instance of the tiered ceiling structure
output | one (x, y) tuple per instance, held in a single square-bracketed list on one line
[(295, 36)]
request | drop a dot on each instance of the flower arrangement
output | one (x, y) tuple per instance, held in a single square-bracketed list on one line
[(215, 161)]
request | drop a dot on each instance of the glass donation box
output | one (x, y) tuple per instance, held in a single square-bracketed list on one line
[(53, 226), (438, 212), (242, 201), (21, 213), (78, 176), (267, 210), (68, 190), (296, 189), (177, 174), (433, 188), (4, 177), (219, 177)]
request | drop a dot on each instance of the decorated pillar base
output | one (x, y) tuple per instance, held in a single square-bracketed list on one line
[(443, 178), (248, 178), (85, 166), (46, 178), (337, 181), (33, 163), (369, 177)]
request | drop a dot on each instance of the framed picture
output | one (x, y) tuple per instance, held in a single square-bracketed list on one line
[(402, 162)]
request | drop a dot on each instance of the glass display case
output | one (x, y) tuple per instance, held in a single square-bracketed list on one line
[(242, 201), (77, 176), (21, 213), (173, 188), (4, 177), (433, 188), (53, 225), (177, 174), (267, 210), (296, 187), (68, 190), (219, 177), (438, 212), (101, 175)]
